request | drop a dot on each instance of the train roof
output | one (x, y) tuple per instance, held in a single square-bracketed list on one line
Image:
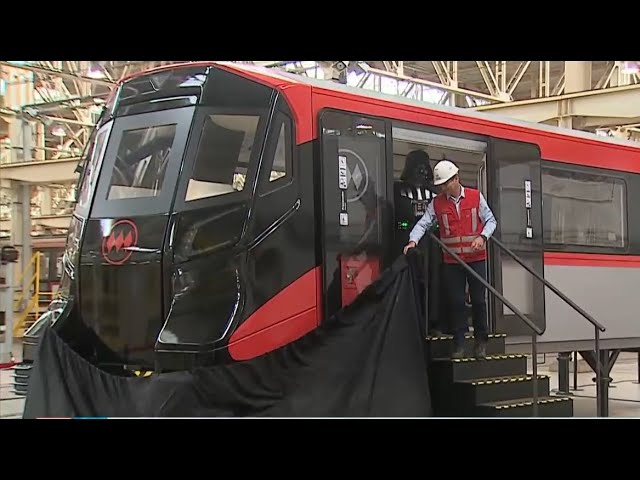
[(464, 112), (278, 78)]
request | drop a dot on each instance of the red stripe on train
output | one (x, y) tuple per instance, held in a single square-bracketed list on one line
[(591, 260), (284, 318)]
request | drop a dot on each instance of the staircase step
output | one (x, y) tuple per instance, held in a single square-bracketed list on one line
[(497, 389), (442, 346), (470, 368), (461, 398), (548, 406), (21, 375), (468, 336)]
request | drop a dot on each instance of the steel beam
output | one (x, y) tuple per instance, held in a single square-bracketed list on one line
[(435, 85), (49, 171), (59, 73), (4, 127), (591, 109), (47, 221)]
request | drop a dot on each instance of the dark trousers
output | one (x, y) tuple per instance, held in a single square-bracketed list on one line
[(456, 278)]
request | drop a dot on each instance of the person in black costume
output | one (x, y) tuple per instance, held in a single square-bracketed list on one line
[(413, 192)]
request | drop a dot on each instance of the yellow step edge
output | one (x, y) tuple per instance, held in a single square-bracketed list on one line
[(489, 357), (450, 337), (530, 403), (508, 380)]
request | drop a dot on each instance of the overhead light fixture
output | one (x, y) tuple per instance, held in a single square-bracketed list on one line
[(58, 131), (96, 72), (630, 68)]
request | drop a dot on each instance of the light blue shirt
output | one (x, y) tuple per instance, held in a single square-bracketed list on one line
[(429, 218)]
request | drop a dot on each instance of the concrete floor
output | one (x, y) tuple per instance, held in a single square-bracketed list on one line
[(624, 394)]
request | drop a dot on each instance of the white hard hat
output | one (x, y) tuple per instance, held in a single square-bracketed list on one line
[(443, 172)]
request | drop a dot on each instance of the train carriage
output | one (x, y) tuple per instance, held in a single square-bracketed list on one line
[(225, 210)]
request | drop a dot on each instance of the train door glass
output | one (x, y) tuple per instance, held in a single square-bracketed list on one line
[(515, 196), (355, 209)]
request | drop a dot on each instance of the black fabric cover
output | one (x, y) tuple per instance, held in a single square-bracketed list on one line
[(439, 308), (367, 360)]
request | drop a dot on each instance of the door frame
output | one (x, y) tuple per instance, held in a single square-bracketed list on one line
[(498, 321)]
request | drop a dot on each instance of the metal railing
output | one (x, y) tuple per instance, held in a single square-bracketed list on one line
[(535, 328), (33, 303), (597, 326)]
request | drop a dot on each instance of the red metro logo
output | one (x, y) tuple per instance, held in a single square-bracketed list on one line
[(115, 246)]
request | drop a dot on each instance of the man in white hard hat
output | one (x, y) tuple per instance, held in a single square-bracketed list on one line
[(466, 222)]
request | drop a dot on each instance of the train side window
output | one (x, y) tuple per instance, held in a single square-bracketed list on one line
[(59, 266), (583, 209), (45, 258), (223, 157), (91, 164), (280, 156)]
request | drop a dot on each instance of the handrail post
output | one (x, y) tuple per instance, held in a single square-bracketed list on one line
[(601, 407), (599, 412), (36, 285), (534, 355)]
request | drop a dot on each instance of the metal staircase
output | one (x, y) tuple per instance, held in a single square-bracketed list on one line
[(500, 385), (497, 386), (30, 301)]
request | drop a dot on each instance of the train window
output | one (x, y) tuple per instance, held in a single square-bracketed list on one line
[(45, 258), (92, 160), (356, 214), (581, 209), (223, 156), (280, 164), (141, 162), (59, 266), (280, 156)]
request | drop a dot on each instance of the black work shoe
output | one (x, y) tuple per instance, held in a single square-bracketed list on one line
[(458, 352), (480, 350)]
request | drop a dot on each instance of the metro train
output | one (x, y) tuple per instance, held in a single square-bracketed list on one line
[(225, 210)]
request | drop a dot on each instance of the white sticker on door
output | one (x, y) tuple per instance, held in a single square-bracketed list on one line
[(342, 172)]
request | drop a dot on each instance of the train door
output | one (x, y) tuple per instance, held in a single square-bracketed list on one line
[(355, 212), (514, 193)]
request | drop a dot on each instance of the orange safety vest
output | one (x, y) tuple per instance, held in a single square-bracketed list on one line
[(458, 232)]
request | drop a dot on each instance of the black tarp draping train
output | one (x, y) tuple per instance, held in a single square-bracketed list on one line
[(368, 360)]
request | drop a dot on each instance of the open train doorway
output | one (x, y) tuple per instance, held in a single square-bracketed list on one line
[(413, 190), (513, 192)]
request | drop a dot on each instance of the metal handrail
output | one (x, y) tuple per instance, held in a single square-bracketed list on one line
[(597, 326), (536, 329), (553, 288), (34, 300)]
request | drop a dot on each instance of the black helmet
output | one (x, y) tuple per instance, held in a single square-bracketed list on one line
[(417, 169)]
